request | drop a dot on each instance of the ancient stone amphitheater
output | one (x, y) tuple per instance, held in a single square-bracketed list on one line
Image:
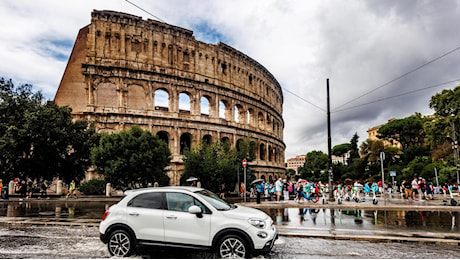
[(126, 71)]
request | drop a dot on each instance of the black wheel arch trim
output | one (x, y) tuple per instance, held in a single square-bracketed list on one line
[(118, 226), (235, 231)]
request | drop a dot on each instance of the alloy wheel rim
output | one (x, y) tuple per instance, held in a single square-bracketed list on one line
[(232, 248), (119, 244)]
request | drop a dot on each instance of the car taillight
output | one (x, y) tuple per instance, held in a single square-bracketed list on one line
[(106, 213)]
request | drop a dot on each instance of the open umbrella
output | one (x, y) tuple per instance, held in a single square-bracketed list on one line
[(191, 179), (256, 181)]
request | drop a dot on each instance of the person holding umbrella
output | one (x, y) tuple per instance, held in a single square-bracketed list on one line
[(259, 189)]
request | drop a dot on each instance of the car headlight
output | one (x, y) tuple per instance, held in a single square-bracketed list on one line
[(258, 223)]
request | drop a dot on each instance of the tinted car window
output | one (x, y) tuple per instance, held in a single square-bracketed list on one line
[(151, 200), (182, 202)]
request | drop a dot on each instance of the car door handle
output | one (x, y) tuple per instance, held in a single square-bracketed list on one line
[(134, 214), (171, 217)]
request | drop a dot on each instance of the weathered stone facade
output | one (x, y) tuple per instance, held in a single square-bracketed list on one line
[(126, 71)]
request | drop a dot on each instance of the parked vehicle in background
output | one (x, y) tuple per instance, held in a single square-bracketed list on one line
[(185, 217)]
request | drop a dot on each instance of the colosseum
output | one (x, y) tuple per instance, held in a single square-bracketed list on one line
[(126, 71)]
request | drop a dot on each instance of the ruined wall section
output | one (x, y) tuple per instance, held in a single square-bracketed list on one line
[(119, 61)]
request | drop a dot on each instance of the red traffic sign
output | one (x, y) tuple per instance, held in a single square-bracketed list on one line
[(244, 162)]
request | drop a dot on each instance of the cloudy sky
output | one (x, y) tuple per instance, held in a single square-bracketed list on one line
[(384, 59)]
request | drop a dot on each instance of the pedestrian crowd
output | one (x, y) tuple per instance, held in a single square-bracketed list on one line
[(304, 190)]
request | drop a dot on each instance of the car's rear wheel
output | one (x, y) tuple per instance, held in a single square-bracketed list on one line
[(120, 243), (232, 246)]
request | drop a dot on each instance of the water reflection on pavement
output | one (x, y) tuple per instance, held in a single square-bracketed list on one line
[(54, 242)]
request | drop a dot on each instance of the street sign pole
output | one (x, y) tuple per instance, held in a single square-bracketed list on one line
[(244, 168), (382, 158)]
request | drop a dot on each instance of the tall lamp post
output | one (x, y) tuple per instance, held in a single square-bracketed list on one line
[(329, 150), (455, 146)]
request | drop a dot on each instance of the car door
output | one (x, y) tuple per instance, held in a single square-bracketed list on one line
[(183, 227), (145, 216)]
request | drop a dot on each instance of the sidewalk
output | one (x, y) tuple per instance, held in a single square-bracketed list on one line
[(292, 228)]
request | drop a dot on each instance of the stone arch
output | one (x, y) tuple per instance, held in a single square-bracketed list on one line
[(163, 135), (225, 140), (249, 116), (223, 109), (261, 121), (106, 95), (161, 99), (238, 144), (136, 97), (185, 142), (270, 153), (205, 105), (239, 114), (262, 151), (207, 139), (184, 102)]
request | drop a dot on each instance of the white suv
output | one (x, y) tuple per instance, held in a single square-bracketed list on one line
[(187, 217)]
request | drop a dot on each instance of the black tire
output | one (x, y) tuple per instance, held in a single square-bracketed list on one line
[(232, 246), (121, 243)]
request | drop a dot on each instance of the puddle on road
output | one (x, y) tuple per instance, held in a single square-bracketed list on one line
[(436, 221)]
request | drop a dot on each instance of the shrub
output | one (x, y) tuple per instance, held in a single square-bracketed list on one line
[(93, 187)]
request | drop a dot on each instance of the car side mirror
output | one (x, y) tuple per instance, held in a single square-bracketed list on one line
[(196, 210)]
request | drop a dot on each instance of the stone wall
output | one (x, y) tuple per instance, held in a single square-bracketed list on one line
[(126, 71)]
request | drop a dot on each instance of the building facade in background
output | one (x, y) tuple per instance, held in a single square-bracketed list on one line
[(296, 162), (125, 71)]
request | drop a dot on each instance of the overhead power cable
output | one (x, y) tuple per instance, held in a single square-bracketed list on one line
[(320, 108), (395, 96), (398, 78), (154, 16)]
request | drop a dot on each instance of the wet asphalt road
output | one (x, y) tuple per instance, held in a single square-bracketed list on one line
[(65, 242)]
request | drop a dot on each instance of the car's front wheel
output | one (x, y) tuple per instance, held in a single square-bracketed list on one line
[(232, 246), (120, 243)]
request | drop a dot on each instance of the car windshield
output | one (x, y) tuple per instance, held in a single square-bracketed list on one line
[(214, 200)]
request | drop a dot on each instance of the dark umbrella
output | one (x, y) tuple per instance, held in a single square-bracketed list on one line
[(256, 181)]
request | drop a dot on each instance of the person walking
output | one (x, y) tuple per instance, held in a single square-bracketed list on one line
[(72, 190), (414, 186), (285, 190), (260, 191), (278, 189)]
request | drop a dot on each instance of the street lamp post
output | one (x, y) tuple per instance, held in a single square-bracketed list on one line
[(455, 147)]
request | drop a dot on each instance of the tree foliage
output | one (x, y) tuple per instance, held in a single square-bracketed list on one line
[(38, 138), (407, 131), (216, 164), (315, 164), (132, 159)]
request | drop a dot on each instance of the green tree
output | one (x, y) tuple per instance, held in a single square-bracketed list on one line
[(341, 150), (407, 131), (131, 159), (38, 138), (217, 164), (315, 163), (354, 150)]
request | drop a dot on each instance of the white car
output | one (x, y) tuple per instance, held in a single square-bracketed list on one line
[(186, 217)]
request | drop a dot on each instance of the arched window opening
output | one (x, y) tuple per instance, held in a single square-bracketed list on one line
[(161, 100), (163, 135), (184, 103), (204, 106), (262, 152), (185, 143), (239, 144), (207, 139), (270, 153), (236, 115), (222, 109), (261, 120), (248, 116)]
